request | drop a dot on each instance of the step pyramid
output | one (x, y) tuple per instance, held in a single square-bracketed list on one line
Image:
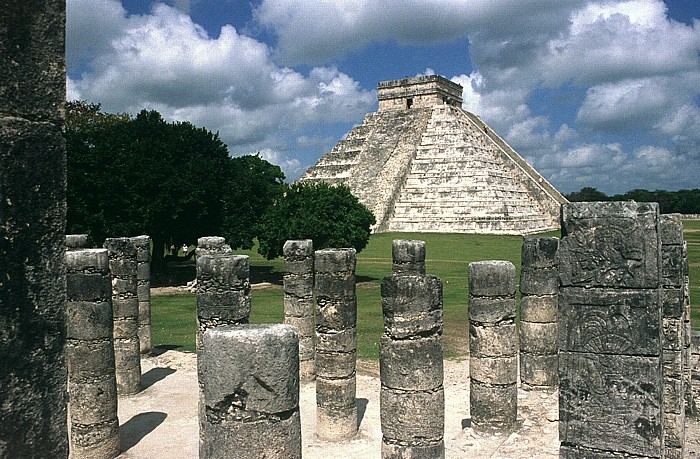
[(423, 164)]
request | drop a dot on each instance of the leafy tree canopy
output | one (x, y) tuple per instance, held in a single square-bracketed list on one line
[(681, 201), (173, 181), (330, 215)]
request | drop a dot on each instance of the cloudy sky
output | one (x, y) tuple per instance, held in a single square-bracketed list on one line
[(592, 93)]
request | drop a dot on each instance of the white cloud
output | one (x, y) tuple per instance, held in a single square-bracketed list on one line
[(230, 84), (292, 167)]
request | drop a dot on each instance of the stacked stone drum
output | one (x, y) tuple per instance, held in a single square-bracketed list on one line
[(493, 346), (412, 397)]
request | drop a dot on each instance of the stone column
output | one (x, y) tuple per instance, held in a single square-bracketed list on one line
[(610, 357), (209, 245), (94, 432), (76, 241), (223, 291), (143, 290), (493, 346), (250, 377), (676, 341), (299, 301), (125, 307), (412, 397), (408, 256), (32, 230), (336, 344), (539, 285)]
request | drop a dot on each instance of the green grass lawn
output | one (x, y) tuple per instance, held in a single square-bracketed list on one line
[(448, 256)]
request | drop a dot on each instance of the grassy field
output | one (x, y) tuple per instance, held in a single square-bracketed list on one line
[(448, 256)]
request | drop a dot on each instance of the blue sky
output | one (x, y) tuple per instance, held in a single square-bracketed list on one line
[(592, 93)]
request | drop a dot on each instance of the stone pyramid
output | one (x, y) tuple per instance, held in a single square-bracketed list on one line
[(422, 164)]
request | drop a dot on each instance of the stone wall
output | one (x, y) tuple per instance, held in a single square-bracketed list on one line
[(33, 420)]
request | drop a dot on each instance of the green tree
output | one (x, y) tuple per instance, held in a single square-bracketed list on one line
[(587, 194), (330, 215), (255, 186), (143, 176)]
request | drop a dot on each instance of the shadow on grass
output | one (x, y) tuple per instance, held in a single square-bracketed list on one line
[(133, 430), (260, 274)]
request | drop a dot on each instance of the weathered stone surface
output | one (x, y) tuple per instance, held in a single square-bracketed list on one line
[(413, 416), (76, 241), (543, 281), (539, 370), (32, 230), (491, 310), (536, 308), (90, 356), (611, 402), (411, 360), (428, 165), (336, 341), (539, 252), (610, 321), (212, 245), (612, 244), (493, 347), (395, 450), (493, 340), (491, 278), (250, 380), (408, 256), (123, 266), (494, 370), (412, 305), (538, 338), (411, 364), (493, 407)]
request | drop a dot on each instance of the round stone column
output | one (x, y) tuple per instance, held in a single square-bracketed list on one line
[(299, 301), (412, 397), (336, 344), (125, 308), (250, 380), (143, 291), (92, 385), (539, 288), (493, 346), (408, 256)]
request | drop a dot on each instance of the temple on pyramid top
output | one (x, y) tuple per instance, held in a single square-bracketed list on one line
[(418, 92), (423, 164)]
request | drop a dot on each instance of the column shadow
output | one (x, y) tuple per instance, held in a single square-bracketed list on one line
[(361, 409), (133, 430), (154, 375)]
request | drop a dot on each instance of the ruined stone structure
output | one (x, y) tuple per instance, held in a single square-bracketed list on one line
[(223, 290), (125, 308), (611, 384), (33, 420), (539, 285), (336, 344), (250, 380), (421, 163), (412, 397), (298, 283), (76, 241), (209, 245), (676, 338), (493, 346), (92, 384), (143, 290)]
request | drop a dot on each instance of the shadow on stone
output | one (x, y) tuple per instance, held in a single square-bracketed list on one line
[(361, 408), (163, 348), (133, 430), (154, 375), (466, 423)]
